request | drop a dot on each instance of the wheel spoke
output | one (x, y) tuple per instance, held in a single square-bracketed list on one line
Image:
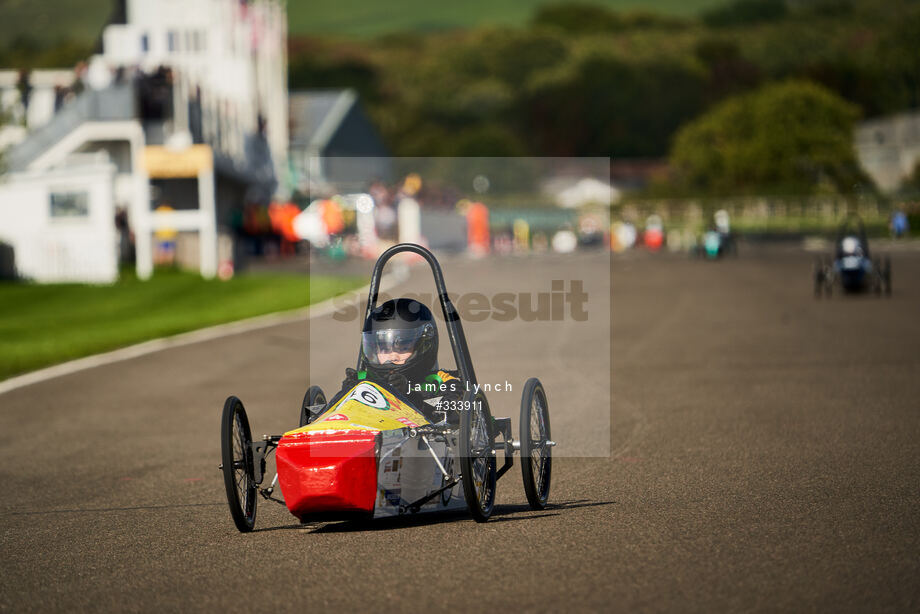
[(241, 465), (480, 450), (237, 444), (540, 475), (478, 481)]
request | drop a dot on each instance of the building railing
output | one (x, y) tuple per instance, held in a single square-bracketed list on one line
[(115, 103)]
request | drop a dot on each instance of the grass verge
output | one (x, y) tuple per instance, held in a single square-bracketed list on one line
[(41, 325), (50, 21)]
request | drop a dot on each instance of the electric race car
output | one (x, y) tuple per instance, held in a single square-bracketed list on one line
[(369, 453), (852, 267), (715, 244), (718, 241)]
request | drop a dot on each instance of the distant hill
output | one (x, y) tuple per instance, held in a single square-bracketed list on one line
[(50, 21), (364, 18)]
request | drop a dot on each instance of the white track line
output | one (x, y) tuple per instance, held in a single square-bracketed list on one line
[(326, 307)]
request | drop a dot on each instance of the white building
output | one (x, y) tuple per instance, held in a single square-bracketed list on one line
[(889, 148), (72, 237), (44, 85), (186, 106)]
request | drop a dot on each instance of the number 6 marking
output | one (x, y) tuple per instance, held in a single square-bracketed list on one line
[(368, 395)]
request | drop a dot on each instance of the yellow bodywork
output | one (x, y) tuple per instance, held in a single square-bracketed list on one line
[(367, 406)]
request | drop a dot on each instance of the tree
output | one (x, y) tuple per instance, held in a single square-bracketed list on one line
[(603, 104), (576, 17), (910, 186), (743, 12), (316, 64), (579, 18), (729, 71), (793, 137), (899, 61)]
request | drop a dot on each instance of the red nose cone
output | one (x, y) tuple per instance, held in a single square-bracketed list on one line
[(328, 472)]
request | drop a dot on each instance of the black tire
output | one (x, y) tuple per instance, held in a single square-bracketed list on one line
[(314, 396), (477, 459), (236, 456), (819, 277), (536, 456)]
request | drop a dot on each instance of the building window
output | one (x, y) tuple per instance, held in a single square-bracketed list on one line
[(172, 41), (145, 43), (69, 205)]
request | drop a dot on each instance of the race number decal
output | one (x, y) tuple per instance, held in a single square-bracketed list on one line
[(368, 395)]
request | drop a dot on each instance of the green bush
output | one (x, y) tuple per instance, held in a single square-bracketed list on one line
[(792, 137), (603, 104)]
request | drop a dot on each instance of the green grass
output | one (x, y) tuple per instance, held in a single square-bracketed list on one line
[(875, 227), (50, 21), (366, 18), (41, 325)]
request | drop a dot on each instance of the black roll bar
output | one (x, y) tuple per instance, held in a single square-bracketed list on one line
[(451, 315)]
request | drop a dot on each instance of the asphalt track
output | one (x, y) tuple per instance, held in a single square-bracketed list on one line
[(764, 456)]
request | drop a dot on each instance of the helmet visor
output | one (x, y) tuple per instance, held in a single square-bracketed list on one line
[(393, 346)]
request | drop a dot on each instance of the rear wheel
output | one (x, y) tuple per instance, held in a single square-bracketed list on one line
[(829, 280), (536, 450), (312, 398), (477, 459), (819, 277), (236, 456)]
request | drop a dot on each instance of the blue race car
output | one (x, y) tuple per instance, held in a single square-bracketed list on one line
[(852, 266)]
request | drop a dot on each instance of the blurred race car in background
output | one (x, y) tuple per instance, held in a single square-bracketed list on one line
[(718, 240), (852, 266), (716, 244)]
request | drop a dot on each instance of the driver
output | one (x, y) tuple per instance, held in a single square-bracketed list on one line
[(399, 345)]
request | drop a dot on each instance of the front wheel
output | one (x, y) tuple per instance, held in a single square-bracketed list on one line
[(536, 444), (477, 459), (311, 399), (819, 277), (237, 467)]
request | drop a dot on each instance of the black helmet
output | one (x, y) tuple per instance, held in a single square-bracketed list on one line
[(400, 337)]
